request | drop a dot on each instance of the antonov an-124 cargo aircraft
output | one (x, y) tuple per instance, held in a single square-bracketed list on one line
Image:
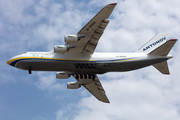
[(77, 57)]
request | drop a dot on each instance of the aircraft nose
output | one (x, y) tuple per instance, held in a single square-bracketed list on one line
[(12, 61), (8, 62)]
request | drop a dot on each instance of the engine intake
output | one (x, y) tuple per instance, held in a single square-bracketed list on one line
[(71, 38), (73, 85), (62, 75), (61, 48)]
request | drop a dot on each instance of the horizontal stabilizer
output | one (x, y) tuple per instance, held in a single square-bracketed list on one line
[(162, 67)]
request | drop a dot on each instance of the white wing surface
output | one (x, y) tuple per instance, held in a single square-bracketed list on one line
[(90, 34), (93, 85)]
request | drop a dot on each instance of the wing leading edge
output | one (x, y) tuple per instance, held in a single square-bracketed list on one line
[(90, 34), (93, 85)]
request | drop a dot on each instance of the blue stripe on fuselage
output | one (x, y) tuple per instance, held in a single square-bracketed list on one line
[(13, 63)]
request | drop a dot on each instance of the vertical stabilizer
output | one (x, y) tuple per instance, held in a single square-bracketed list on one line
[(154, 43), (164, 49)]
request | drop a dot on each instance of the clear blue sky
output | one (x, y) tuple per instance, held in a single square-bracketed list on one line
[(31, 25)]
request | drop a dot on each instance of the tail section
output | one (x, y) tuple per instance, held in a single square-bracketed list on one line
[(154, 43), (163, 50), (161, 47)]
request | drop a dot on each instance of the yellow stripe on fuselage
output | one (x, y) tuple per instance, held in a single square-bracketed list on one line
[(129, 59), (11, 60)]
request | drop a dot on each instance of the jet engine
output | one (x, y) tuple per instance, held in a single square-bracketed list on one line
[(61, 48), (62, 75), (71, 38), (73, 85)]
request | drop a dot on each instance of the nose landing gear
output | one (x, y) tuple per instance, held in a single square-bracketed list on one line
[(29, 70)]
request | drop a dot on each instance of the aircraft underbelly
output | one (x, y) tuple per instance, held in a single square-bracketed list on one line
[(42, 65)]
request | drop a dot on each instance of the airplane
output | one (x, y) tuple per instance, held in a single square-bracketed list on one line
[(77, 57)]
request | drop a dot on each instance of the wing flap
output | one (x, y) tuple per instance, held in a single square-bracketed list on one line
[(93, 41)]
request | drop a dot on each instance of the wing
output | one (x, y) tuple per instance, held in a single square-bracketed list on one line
[(90, 34), (93, 85)]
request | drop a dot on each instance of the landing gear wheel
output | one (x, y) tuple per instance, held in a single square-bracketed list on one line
[(29, 70)]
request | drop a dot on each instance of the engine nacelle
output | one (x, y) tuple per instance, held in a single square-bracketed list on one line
[(61, 48), (62, 75), (73, 85), (71, 38)]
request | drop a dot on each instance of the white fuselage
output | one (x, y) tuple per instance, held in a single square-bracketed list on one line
[(96, 63)]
